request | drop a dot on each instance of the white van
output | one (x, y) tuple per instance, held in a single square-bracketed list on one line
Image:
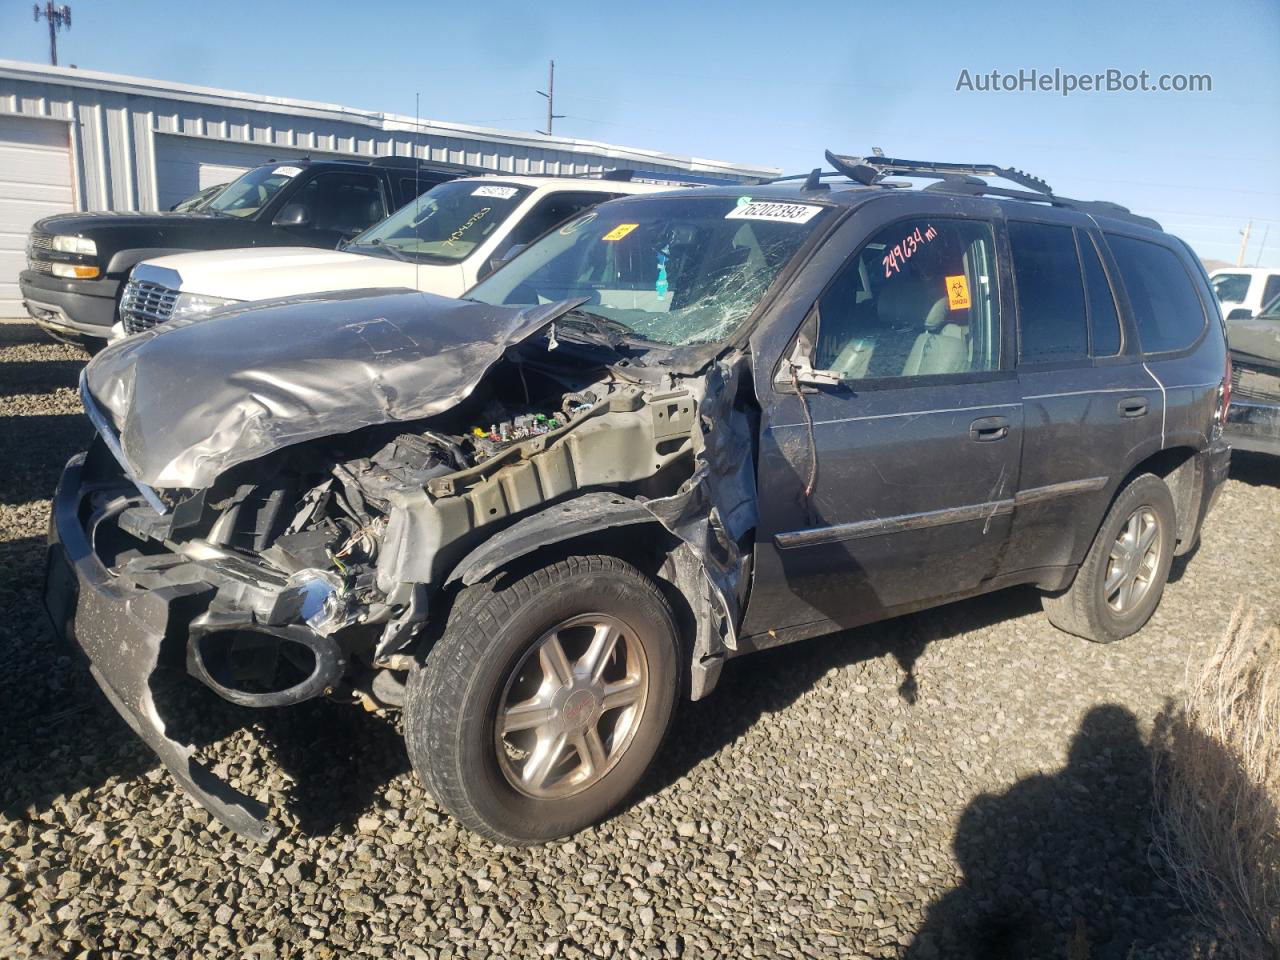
[(443, 242), (1242, 291)]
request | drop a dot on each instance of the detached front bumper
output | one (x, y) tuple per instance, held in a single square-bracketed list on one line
[(1254, 426), (131, 638)]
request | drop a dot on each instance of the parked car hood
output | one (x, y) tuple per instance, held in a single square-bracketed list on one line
[(1259, 337), (80, 223), (192, 398), (262, 273)]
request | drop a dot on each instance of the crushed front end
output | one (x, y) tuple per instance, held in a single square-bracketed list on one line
[(312, 571)]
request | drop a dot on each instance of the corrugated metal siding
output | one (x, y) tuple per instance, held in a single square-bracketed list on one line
[(143, 145), (115, 142)]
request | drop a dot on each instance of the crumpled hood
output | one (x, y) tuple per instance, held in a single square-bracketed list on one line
[(190, 399)]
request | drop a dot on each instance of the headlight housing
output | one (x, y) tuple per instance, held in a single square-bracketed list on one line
[(73, 271), (196, 305), (66, 244)]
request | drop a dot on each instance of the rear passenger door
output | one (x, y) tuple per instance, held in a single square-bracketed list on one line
[(1177, 327), (1090, 407), (910, 457)]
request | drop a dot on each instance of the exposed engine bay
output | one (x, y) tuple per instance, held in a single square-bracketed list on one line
[(321, 558)]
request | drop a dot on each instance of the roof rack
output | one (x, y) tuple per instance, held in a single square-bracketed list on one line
[(870, 170), (965, 178)]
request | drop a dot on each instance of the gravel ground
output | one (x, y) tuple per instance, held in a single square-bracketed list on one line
[(963, 782)]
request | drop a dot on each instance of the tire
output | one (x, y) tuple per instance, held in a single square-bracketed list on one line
[(1091, 607), (497, 652)]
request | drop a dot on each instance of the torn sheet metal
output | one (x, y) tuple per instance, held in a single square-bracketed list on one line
[(716, 507), (191, 399)]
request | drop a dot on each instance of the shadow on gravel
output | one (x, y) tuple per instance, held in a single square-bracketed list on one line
[(1255, 469), (44, 376), (36, 449), (1058, 866), (772, 680)]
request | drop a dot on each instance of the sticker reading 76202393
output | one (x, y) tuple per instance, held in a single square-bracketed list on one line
[(778, 212)]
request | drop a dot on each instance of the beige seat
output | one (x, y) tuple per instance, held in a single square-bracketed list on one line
[(942, 348)]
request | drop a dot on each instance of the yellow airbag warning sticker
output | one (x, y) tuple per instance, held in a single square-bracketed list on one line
[(958, 293), (620, 231)]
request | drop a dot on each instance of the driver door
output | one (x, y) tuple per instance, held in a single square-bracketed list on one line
[(891, 486)]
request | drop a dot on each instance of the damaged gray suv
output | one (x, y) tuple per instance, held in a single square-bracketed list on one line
[(679, 428)]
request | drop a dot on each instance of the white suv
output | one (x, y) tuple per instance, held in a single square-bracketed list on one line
[(443, 242), (1243, 291)]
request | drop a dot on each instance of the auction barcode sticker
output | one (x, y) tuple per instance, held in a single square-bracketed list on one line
[(500, 193), (780, 212)]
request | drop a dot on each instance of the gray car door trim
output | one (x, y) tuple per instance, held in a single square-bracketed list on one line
[(935, 518)]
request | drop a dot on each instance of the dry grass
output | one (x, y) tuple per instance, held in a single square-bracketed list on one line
[(1217, 780)]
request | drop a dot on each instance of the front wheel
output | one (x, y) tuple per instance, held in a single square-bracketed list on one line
[(1119, 585), (546, 698)]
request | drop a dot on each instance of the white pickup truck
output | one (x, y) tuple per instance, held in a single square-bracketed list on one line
[(443, 242)]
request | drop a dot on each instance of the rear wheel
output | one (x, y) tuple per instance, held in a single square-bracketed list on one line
[(1122, 579), (546, 698)]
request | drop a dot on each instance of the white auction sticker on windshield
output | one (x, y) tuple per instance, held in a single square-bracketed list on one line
[(287, 171), (780, 212), (501, 193)]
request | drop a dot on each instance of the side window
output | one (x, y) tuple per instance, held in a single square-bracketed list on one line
[(1272, 288), (343, 202), (1104, 320), (411, 187), (1230, 287), (1046, 276), (917, 299), (1164, 301), (550, 211)]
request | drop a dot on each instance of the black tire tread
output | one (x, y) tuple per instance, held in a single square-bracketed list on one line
[(1073, 610), (440, 688)]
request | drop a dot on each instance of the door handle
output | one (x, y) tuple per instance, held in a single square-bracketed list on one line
[(985, 429), (1132, 407)]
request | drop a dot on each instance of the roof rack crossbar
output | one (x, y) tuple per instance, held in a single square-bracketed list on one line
[(870, 170), (964, 178), (1102, 208)]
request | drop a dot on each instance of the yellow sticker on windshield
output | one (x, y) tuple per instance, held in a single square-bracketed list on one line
[(958, 293), (620, 231)]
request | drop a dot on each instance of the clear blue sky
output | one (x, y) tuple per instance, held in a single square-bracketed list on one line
[(770, 84)]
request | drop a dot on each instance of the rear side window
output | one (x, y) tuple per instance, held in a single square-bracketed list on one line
[(1104, 321), (1230, 287), (1046, 274), (1272, 288), (1168, 312)]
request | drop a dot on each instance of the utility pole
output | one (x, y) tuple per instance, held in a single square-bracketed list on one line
[(1244, 243), (58, 18), (550, 94)]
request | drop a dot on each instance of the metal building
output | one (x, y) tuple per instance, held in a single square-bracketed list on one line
[(80, 140)]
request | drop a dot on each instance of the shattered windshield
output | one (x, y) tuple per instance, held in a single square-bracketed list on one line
[(676, 270), (252, 192), (446, 223)]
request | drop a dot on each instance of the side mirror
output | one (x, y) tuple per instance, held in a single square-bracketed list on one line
[(293, 215), (799, 370), (1241, 313), (503, 259)]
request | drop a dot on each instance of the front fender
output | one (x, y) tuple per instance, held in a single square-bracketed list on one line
[(589, 513)]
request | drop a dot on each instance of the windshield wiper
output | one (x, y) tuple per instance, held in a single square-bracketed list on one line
[(391, 248), (614, 331)]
